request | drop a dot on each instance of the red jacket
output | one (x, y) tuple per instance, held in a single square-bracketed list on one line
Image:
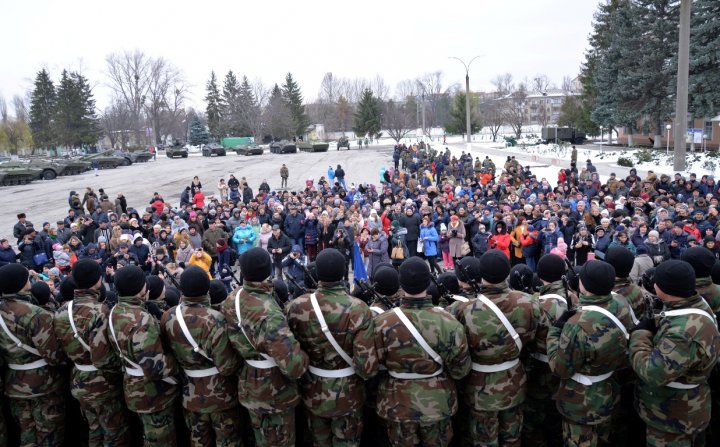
[(501, 242)]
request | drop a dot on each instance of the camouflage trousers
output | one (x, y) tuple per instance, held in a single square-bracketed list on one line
[(41, 420), (542, 423), (274, 429), (494, 428), (159, 428), (107, 423), (657, 438), (578, 435), (344, 431), (218, 428), (410, 433)]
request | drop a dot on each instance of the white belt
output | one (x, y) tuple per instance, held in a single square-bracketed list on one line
[(414, 376), (589, 380), (540, 357), (198, 373), (332, 373), (494, 368), (682, 386), (377, 310), (262, 364), (28, 366), (135, 372), (86, 368)]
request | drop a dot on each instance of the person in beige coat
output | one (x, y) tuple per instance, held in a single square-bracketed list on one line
[(456, 231)]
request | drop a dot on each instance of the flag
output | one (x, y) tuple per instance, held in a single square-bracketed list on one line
[(359, 272)]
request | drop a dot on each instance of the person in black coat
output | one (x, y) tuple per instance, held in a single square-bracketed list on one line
[(7, 254), (279, 246), (410, 221)]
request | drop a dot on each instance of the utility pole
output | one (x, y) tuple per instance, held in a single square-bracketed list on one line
[(468, 124), (681, 105)]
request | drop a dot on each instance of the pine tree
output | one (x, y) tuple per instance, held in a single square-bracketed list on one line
[(278, 116), (42, 111), (368, 118), (76, 122), (248, 107), (293, 97), (89, 130), (705, 59), (214, 106), (457, 122), (198, 132)]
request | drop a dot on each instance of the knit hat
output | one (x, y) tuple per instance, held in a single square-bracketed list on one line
[(129, 280), (414, 275), (467, 269), (641, 250), (67, 289), (654, 233), (86, 273), (256, 264), (495, 266), (330, 265), (597, 277), (41, 291), (622, 259), (551, 268), (676, 278), (701, 259), (387, 281), (13, 277), (172, 297), (217, 291), (194, 281), (521, 277), (155, 287), (715, 273), (450, 281), (280, 289)]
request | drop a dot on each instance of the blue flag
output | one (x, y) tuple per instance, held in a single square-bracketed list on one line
[(358, 267)]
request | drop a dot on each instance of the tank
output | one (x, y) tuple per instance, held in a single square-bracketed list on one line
[(283, 147), (176, 150), (13, 175), (313, 146), (248, 149), (106, 160)]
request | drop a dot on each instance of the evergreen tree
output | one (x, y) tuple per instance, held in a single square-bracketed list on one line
[(248, 107), (278, 116), (76, 123), (293, 97), (214, 106), (231, 117), (368, 118), (42, 111), (705, 59), (89, 130), (457, 123), (198, 132)]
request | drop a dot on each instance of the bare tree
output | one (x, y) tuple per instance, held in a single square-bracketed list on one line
[(117, 121), (129, 76), (492, 115), (503, 84), (21, 108), (406, 89), (540, 83), (568, 85), (379, 88), (165, 97), (397, 119), (3, 110), (513, 109)]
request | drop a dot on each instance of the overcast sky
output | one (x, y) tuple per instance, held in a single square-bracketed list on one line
[(266, 39)]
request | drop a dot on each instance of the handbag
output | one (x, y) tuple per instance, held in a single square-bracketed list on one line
[(420, 246), (465, 249), (40, 259), (398, 252)]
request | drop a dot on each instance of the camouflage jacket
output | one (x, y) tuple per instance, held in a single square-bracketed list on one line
[(632, 294), (267, 390), (684, 350), (382, 304), (207, 326), (454, 304), (590, 344), (542, 383), (490, 344), (420, 400), (138, 336), (351, 323), (710, 292), (33, 326), (90, 319)]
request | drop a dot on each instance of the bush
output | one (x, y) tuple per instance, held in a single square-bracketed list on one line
[(511, 141), (623, 161), (644, 156)]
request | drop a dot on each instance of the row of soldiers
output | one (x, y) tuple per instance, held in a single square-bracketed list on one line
[(497, 366)]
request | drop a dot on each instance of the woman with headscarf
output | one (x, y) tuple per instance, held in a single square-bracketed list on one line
[(500, 240)]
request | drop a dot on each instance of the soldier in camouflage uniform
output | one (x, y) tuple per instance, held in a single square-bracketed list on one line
[(417, 397), (81, 329), (258, 331), (33, 385), (542, 424), (387, 287), (155, 303), (622, 260), (336, 331), (498, 324), (674, 359), (467, 274), (584, 347), (198, 338), (149, 380)]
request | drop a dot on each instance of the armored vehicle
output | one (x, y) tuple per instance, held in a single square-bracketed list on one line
[(106, 160), (313, 146), (343, 142), (50, 169), (283, 147), (14, 175), (134, 157), (176, 150), (250, 148), (213, 149)]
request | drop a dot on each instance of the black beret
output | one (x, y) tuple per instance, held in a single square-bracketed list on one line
[(450, 281), (597, 277), (495, 266), (701, 259), (467, 269), (172, 296), (217, 291), (194, 281), (622, 259), (520, 277), (381, 265), (155, 287), (67, 289), (86, 273), (129, 280), (13, 277), (330, 265), (280, 289), (414, 275), (676, 278), (715, 273), (387, 281), (256, 264), (551, 268), (41, 291)]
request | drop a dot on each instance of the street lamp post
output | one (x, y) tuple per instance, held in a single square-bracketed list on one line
[(667, 149), (467, 94)]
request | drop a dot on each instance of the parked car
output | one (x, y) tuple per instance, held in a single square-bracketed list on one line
[(213, 149)]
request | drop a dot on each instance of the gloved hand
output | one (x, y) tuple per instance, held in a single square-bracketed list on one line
[(646, 324), (560, 323)]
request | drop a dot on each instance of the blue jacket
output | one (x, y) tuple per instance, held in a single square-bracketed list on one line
[(429, 245), (294, 226), (7, 256), (239, 235)]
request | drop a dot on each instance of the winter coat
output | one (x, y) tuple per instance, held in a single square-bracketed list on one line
[(210, 238), (283, 243), (311, 231), (412, 223), (549, 240), (429, 245), (262, 239), (241, 233), (7, 256), (529, 244), (379, 253), (658, 251), (457, 238), (501, 242), (480, 243), (581, 253), (602, 244), (183, 254), (294, 226), (398, 240), (247, 195), (204, 262), (642, 264)]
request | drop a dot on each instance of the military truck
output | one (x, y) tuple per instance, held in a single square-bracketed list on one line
[(105, 160), (557, 134), (283, 147), (176, 150), (343, 142)]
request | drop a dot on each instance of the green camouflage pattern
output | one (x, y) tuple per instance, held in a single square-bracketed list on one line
[(90, 316), (657, 438), (633, 295), (342, 431), (710, 292), (138, 334), (107, 423), (41, 420), (412, 433), (490, 343), (494, 428), (159, 427), (274, 429), (351, 323), (3, 427), (589, 344), (268, 390), (685, 350), (33, 326), (424, 401), (207, 326), (219, 428)]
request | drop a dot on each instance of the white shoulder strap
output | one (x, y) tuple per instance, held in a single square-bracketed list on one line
[(188, 335), (689, 311), (239, 318), (462, 299), (16, 340), (610, 315), (74, 329), (503, 319), (326, 331), (552, 296), (114, 337), (417, 336), (625, 300), (377, 310)]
